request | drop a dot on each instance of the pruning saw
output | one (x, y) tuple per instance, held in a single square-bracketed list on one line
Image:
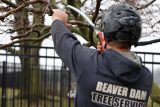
[(98, 32)]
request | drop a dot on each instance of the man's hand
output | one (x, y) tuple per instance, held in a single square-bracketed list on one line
[(60, 15)]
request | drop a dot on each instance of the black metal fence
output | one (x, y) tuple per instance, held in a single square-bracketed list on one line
[(24, 83), (30, 78)]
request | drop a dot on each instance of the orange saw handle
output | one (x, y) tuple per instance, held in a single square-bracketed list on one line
[(100, 36)]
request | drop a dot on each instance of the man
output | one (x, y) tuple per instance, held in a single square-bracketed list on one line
[(114, 78)]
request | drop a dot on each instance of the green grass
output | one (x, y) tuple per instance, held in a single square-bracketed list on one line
[(154, 104), (40, 102), (17, 102)]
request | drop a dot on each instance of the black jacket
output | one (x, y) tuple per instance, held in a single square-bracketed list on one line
[(103, 80)]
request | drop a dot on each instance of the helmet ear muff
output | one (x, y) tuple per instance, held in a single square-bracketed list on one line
[(129, 21)]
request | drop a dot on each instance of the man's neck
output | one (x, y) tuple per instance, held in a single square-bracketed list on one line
[(118, 49)]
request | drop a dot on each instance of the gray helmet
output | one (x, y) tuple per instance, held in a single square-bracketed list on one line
[(122, 22)]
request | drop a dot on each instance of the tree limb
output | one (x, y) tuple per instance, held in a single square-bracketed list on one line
[(25, 34), (96, 10), (25, 39), (4, 9), (83, 2), (146, 5), (155, 24), (80, 23), (9, 3), (19, 8), (93, 20), (32, 29)]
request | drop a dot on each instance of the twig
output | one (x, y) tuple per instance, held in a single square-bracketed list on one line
[(19, 8), (148, 42), (32, 29), (9, 3), (155, 24), (96, 11), (82, 4), (4, 9), (25, 39), (25, 34), (80, 23), (146, 5)]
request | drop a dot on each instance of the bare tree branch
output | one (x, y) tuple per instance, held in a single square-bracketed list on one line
[(96, 10), (19, 8), (25, 34), (93, 20), (83, 2), (155, 24), (25, 39), (32, 29), (4, 9), (80, 23), (146, 5), (9, 3)]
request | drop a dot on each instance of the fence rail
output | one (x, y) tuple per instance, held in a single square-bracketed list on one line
[(24, 83)]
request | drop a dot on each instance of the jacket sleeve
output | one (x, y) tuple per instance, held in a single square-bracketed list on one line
[(69, 49)]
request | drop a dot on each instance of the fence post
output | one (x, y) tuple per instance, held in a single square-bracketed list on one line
[(4, 72)]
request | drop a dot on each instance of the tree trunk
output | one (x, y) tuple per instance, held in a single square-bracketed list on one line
[(30, 64), (30, 75)]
